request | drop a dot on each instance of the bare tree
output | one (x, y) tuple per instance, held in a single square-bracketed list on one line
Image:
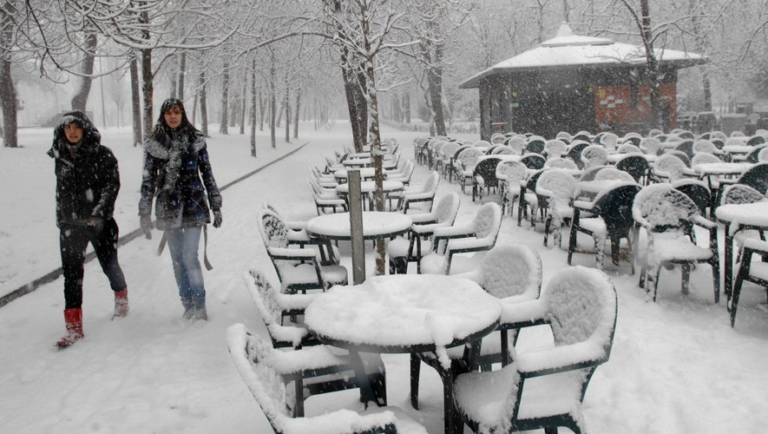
[(7, 89)]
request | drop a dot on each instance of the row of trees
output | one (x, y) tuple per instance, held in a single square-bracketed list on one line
[(261, 61)]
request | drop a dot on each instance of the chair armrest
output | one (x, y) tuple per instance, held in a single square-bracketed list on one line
[(449, 232), (423, 219), (584, 205), (522, 314), (284, 336), (704, 222), (295, 225), (284, 253), (756, 244), (459, 245), (560, 359)]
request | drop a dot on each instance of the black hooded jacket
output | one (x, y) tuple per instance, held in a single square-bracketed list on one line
[(86, 184)]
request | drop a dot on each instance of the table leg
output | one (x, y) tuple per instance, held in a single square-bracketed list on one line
[(728, 261), (366, 390)]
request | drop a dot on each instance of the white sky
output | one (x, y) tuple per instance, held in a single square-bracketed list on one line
[(676, 367)]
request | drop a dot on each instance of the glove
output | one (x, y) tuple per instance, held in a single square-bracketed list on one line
[(146, 226), (217, 218), (96, 223)]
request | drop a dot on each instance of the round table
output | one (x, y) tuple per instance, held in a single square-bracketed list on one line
[(365, 173), (406, 314), (375, 225), (368, 187), (737, 217)]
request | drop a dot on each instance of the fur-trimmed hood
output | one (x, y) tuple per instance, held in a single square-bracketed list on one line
[(161, 151), (91, 136)]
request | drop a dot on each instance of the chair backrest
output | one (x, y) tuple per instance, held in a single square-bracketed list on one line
[(564, 136), (737, 134), (695, 189), (740, 193), (661, 207), (430, 185), (513, 171), (632, 138), (497, 138), (762, 154), (460, 150), (534, 146), (651, 146), (755, 140), (533, 161), (557, 184), (486, 168), (609, 140), (273, 229), (682, 156), (719, 143), (517, 144), (734, 141), (670, 165), (754, 155), (554, 148), (613, 174), (582, 135), (628, 148), (574, 152), (614, 206), (756, 177), (487, 221), (704, 146), (704, 158), (589, 174), (635, 165), (504, 150), (447, 208), (264, 296), (511, 270), (468, 158), (594, 155), (582, 307), (449, 149), (482, 144), (562, 163), (249, 354)]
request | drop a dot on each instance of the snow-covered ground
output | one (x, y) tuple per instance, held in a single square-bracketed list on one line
[(676, 367)]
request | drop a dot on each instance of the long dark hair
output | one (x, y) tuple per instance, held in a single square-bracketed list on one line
[(162, 131)]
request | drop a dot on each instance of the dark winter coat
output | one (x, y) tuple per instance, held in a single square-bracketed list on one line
[(86, 184), (172, 174)]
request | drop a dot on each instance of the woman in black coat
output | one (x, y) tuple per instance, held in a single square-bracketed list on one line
[(175, 159), (87, 182)]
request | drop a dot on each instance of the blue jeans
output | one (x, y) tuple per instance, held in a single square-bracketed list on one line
[(183, 244)]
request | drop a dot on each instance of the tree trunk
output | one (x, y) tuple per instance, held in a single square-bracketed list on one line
[(8, 101), (653, 67), (182, 74), (407, 105), (147, 90), (172, 77), (135, 99), (203, 104), (253, 108), (435, 80), (272, 102), (261, 111), (224, 121), (287, 106), (244, 103), (80, 98), (296, 117)]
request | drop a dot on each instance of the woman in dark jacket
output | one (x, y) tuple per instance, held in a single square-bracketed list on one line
[(175, 159), (87, 182)]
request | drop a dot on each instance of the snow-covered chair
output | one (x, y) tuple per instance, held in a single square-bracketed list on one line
[(424, 193), (325, 201), (574, 152), (511, 174), (608, 217), (512, 273), (402, 250), (479, 235), (555, 190), (465, 166), (267, 373), (668, 168), (554, 149), (535, 145), (594, 155), (562, 163), (484, 176), (299, 270), (668, 216), (628, 148), (546, 388), (637, 166), (404, 175), (297, 235), (651, 146), (756, 177), (517, 144), (497, 138)]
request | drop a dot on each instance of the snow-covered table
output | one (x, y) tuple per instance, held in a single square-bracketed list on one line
[(738, 217), (406, 314), (375, 225), (369, 187), (366, 173)]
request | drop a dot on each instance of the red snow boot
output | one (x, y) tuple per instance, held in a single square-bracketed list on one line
[(74, 322), (121, 304)]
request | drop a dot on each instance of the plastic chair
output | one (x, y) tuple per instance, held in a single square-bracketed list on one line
[(484, 177), (479, 235), (401, 250), (594, 155), (266, 372), (751, 271), (555, 190), (424, 193), (637, 166), (607, 218), (511, 174), (668, 215), (513, 274), (546, 388)]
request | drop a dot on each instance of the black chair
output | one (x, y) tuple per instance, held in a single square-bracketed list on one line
[(750, 271), (635, 165), (484, 177), (610, 213), (755, 140), (535, 146), (528, 199), (574, 152), (664, 211), (697, 191), (533, 161), (756, 177)]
